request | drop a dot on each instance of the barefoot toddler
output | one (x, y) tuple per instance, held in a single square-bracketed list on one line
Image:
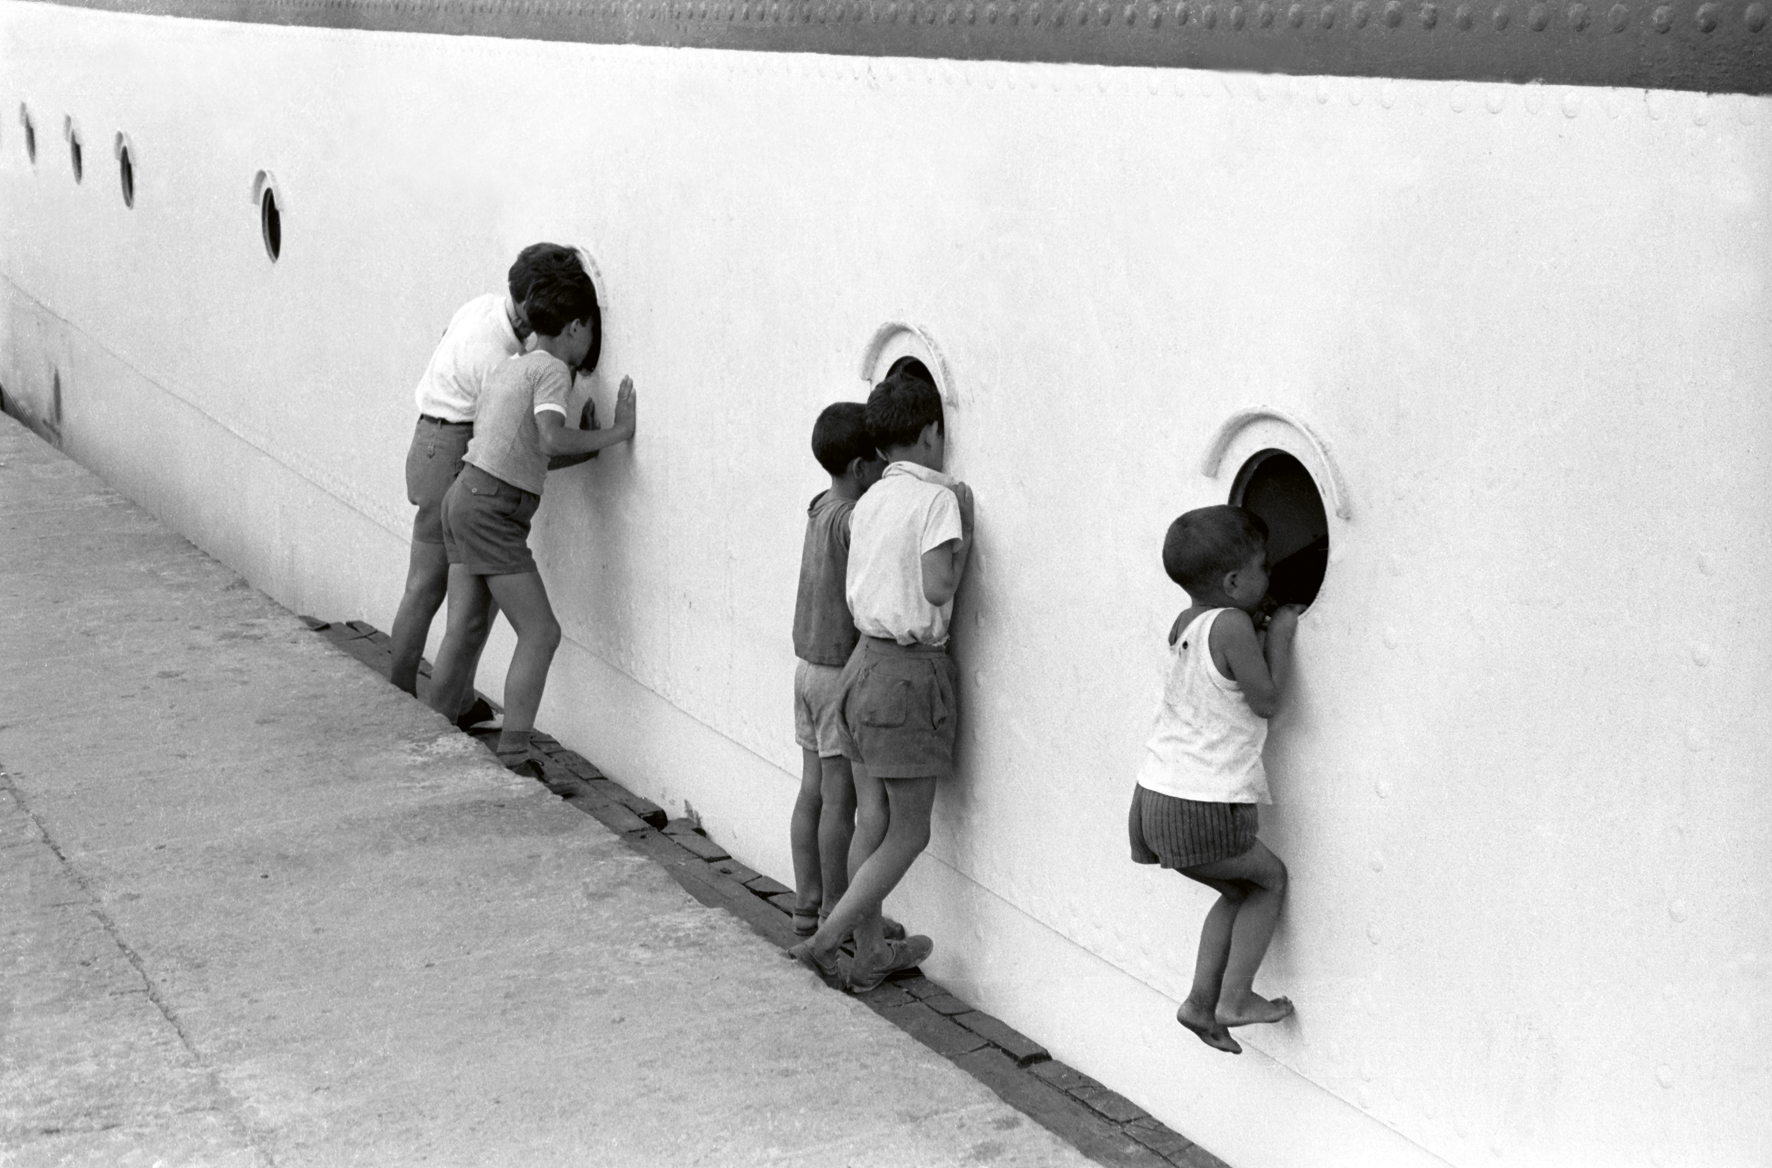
[(1195, 806)]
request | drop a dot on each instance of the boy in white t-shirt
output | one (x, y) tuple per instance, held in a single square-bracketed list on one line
[(483, 334), (908, 544), (1194, 808)]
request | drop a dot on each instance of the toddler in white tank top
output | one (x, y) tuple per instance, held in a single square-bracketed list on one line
[(1194, 808)]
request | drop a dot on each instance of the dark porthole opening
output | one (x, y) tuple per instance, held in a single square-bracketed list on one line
[(126, 175), (271, 221), (30, 140), (910, 367), (1277, 487), (74, 156)]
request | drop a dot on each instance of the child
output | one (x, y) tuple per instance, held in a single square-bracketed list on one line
[(1194, 808), (909, 539), (824, 637), (484, 333), (520, 431)]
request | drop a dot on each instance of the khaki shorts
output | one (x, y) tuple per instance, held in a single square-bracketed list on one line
[(486, 524), (901, 706), (432, 462), (818, 700)]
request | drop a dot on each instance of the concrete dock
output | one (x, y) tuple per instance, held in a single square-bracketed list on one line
[(257, 907)]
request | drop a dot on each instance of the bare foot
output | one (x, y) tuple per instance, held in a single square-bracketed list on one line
[(1209, 1030), (1253, 1010)]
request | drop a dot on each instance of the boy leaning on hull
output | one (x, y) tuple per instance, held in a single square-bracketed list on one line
[(520, 435), (483, 334), (824, 636), (1195, 805), (909, 540)]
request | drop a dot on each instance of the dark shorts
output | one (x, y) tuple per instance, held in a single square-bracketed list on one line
[(431, 465), (901, 708), (1182, 833), (486, 524)]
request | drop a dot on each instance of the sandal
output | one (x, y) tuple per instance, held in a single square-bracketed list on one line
[(902, 956)]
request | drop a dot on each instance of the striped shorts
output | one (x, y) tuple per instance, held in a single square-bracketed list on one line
[(1182, 833)]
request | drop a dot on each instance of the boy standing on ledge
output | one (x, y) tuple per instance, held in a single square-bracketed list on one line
[(484, 333), (909, 540), (1194, 808)]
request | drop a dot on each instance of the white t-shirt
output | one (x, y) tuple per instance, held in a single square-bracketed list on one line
[(478, 340), (1207, 742), (908, 512)]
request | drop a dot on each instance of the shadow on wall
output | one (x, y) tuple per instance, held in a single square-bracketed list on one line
[(47, 426)]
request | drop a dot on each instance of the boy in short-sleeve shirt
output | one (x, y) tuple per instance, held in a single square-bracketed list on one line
[(824, 636), (908, 545), (520, 432), (483, 334)]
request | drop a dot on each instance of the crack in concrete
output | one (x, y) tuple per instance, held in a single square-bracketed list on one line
[(231, 1113)]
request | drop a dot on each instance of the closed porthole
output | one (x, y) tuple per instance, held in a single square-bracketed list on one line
[(1277, 487), (270, 213), (126, 169), (24, 117), (76, 156)]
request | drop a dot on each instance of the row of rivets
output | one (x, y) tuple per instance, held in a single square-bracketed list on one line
[(1539, 17), (1577, 17)]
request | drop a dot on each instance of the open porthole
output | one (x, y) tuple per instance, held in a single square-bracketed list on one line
[(76, 153), (125, 151), (30, 128), (1275, 486), (269, 200), (1280, 469), (906, 347)]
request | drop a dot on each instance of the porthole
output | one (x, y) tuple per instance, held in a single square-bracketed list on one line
[(271, 221), (24, 117), (1268, 460), (126, 169), (899, 345), (76, 156), (270, 203), (1277, 487)]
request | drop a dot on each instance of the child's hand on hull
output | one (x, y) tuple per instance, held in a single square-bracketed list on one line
[(1285, 621), (963, 493), (624, 406)]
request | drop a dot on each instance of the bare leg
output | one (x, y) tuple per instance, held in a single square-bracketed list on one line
[(1263, 877), (470, 604), (909, 803), (525, 602), (804, 843), (870, 818), (836, 826), (427, 583), (1198, 1012)]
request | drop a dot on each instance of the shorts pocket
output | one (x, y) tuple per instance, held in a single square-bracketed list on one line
[(886, 706), (500, 497)]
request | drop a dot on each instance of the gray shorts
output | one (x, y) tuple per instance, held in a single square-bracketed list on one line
[(486, 524), (432, 462), (1183, 833), (901, 707), (818, 705)]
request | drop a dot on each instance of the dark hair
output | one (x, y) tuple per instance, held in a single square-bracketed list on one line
[(909, 367), (1204, 544), (556, 300), (840, 436), (531, 260), (900, 407)]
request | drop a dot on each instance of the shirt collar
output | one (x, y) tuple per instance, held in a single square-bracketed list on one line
[(918, 471)]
